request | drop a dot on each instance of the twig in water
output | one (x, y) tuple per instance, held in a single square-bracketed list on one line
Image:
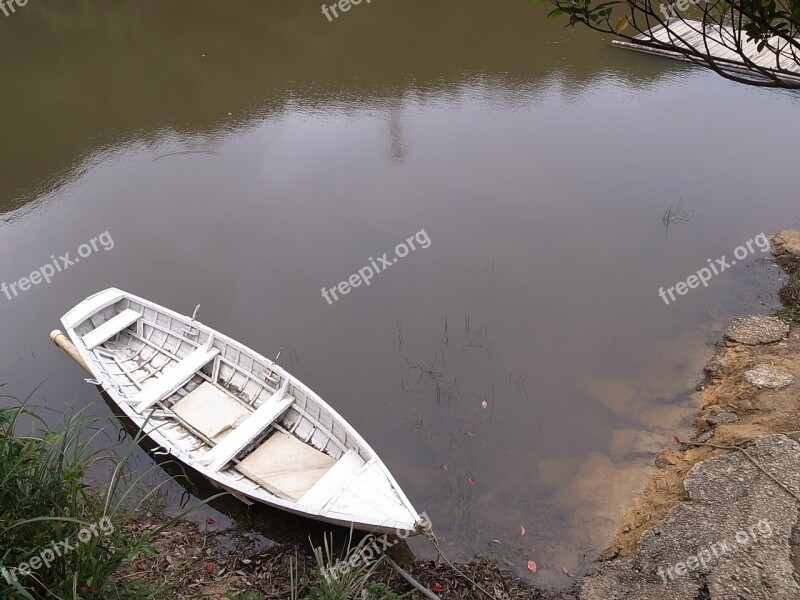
[(186, 152), (676, 215)]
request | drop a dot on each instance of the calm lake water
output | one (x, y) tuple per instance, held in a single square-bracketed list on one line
[(243, 155)]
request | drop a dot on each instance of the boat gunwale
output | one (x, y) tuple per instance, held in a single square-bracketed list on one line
[(222, 477)]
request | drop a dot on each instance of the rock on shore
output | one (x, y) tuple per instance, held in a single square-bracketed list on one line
[(730, 541)]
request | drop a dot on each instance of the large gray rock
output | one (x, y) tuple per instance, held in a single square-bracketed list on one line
[(768, 377), (723, 418), (757, 329), (730, 541)]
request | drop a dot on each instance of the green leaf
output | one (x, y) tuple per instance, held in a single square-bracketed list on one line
[(556, 12), (621, 25)]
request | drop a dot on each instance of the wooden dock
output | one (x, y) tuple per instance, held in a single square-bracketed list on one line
[(720, 43)]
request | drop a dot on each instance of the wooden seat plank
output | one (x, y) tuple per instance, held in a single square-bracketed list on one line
[(272, 408), (110, 328), (171, 380)]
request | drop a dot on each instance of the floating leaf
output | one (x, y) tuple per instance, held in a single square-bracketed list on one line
[(484, 404), (532, 566), (677, 439), (210, 521), (471, 481), (496, 542), (521, 530)]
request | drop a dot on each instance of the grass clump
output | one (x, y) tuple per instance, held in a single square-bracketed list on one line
[(790, 292), (56, 538), (59, 537), (350, 575)]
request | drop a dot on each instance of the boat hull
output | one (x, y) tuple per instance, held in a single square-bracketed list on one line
[(234, 416)]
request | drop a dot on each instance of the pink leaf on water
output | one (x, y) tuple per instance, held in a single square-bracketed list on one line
[(532, 566), (471, 481), (484, 404), (521, 530)]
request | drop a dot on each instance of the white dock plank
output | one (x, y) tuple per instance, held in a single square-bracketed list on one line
[(719, 44)]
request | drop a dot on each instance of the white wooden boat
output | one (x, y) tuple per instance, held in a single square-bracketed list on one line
[(236, 417)]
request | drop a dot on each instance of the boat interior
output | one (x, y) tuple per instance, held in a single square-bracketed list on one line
[(229, 408)]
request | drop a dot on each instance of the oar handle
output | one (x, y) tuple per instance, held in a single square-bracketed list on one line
[(63, 342)]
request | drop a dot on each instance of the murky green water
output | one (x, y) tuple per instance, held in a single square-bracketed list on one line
[(244, 155)]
